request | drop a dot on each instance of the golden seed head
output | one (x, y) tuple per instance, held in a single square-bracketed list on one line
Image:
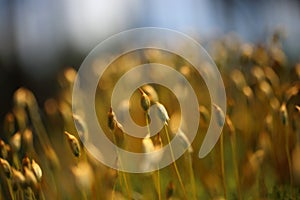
[(204, 113), (229, 125), (266, 88), (20, 97), (67, 78), (4, 148), (81, 127), (185, 70), (2, 144), (51, 106), (258, 73), (74, 144), (30, 179), (148, 145), (247, 50), (238, 78), (274, 103), (9, 123), (297, 108), (291, 92), (247, 91), (26, 162), (84, 176), (6, 167), (219, 114), (17, 177), (145, 101), (264, 142), (151, 93), (27, 139), (269, 123), (15, 142), (111, 120), (272, 76), (284, 114), (157, 142), (36, 170), (162, 113), (70, 74), (257, 158)]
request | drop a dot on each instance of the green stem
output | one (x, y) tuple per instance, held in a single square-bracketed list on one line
[(223, 164), (193, 182), (84, 195), (235, 165), (158, 173), (147, 123), (6, 186), (174, 163), (158, 184), (114, 190), (288, 155), (122, 173)]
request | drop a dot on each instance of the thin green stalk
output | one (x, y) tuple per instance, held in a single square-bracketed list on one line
[(262, 188), (158, 184), (174, 163), (6, 186), (223, 164), (84, 195), (157, 171), (193, 182), (288, 155), (122, 173), (235, 165), (114, 190), (7, 190), (40, 194)]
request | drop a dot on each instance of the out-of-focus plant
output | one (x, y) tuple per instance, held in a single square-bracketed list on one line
[(42, 157)]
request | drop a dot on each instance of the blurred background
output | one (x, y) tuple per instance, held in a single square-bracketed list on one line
[(39, 38)]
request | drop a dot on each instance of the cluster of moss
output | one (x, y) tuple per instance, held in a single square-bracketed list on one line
[(257, 156)]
